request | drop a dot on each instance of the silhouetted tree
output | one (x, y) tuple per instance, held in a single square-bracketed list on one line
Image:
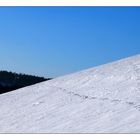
[(10, 81)]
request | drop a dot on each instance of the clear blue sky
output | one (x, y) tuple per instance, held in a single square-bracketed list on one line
[(54, 41)]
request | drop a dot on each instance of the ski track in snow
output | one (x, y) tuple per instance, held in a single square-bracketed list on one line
[(85, 97)]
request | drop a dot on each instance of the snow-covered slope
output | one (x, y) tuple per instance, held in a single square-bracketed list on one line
[(104, 99)]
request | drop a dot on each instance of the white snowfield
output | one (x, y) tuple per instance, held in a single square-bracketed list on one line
[(104, 99)]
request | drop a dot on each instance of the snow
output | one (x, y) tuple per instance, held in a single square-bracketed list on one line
[(103, 99)]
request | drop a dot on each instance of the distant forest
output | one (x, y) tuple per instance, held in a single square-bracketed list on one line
[(11, 81)]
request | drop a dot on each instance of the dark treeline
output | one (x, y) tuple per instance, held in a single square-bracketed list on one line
[(11, 81)]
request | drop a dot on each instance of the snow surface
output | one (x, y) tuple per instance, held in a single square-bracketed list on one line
[(104, 99)]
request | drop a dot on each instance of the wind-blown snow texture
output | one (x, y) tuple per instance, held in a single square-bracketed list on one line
[(104, 99)]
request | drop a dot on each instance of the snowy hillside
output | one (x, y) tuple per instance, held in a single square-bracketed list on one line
[(104, 99)]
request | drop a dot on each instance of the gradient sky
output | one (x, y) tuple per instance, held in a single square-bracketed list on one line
[(54, 41)]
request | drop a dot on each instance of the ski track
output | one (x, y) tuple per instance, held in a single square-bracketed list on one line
[(85, 97)]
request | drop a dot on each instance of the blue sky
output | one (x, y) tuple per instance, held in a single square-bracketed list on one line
[(54, 41)]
